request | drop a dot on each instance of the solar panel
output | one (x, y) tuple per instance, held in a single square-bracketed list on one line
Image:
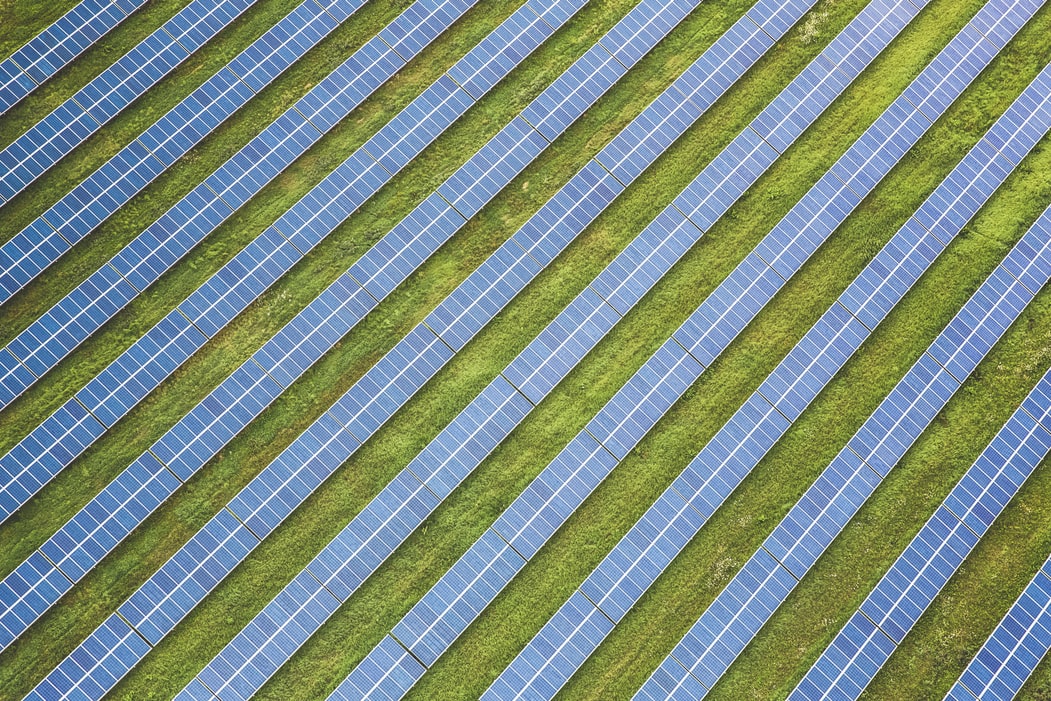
[(736, 615), (644, 552), (549, 500), (105, 96), (888, 613), (1014, 648), (244, 394), (149, 360), (202, 210), (76, 214), (55, 47), (349, 564), (159, 612)]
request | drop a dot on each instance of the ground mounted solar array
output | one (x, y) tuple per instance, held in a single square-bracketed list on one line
[(362, 337)]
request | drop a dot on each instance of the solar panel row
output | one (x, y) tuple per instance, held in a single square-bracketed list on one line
[(49, 51), (136, 165), (766, 579), (890, 611), (187, 577), (1014, 648), (32, 153), (468, 587), (152, 358), (135, 493), (40, 347), (644, 552), (380, 396)]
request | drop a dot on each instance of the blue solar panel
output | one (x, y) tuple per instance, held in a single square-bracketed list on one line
[(388, 674), (627, 279), (100, 100), (928, 562), (419, 123), (561, 345), (316, 329), (420, 24), (1014, 648), (821, 513), (205, 207), (850, 661), (824, 510), (618, 582), (44, 452), (671, 682), (937, 551), (554, 495), (900, 419), (109, 517), (151, 359), (644, 398), (94, 667), (473, 434), (643, 27), (55, 47), (188, 576), (812, 362), (575, 90), (493, 58), (328, 443), (894, 270), (26, 593), (724, 180), (216, 420), (273, 631), (981, 322), (15, 83), (556, 506), (458, 597), (731, 620), (735, 302), (494, 165), (579, 623)]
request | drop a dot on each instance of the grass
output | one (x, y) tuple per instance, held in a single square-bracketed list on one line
[(782, 653)]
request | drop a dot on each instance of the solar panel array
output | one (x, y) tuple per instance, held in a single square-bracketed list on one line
[(192, 572), (886, 616), (464, 591), (402, 657), (182, 451), (69, 124), (152, 358), (41, 346), (398, 508), (136, 165), (52, 49), (741, 609), (1014, 648), (635, 563)]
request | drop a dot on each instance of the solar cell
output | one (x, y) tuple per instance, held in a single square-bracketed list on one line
[(442, 469), (244, 394), (165, 241), (57, 45)]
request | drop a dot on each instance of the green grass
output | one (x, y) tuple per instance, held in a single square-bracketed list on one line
[(929, 660)]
